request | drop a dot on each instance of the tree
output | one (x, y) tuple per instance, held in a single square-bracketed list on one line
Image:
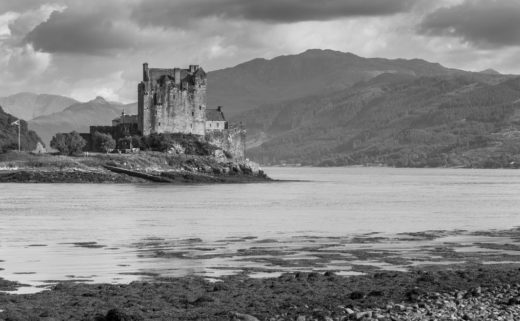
[(68, 143), (103, 142)]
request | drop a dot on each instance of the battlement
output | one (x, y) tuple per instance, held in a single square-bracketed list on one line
[(192, 75)]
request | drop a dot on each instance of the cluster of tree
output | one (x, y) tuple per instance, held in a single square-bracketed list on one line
[(68, 143), (72, 143), (103, 142), (163, 142)]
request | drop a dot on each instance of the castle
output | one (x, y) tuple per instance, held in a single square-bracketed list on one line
[(174, 101)]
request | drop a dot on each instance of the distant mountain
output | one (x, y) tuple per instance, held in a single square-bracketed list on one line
[(29, 105), (462, 119), (78, 117), (313, 72), (490, 72), (9, 134)]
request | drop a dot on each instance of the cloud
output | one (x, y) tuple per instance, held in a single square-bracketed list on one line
[(482, 23), (184, 13), (79, 31), (28, 20), (5, 20), (22, 6), (106, 86), (21, 63)]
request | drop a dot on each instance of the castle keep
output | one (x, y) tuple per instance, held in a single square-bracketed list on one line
[(174, 101)]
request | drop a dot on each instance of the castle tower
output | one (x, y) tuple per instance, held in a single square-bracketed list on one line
[(172, 100)]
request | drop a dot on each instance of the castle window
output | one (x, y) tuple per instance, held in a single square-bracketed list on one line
[(193, 113), (200, 107), (218, 125)]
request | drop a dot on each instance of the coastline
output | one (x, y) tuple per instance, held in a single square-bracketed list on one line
[(448, 285), (142, 167), (471, 293)]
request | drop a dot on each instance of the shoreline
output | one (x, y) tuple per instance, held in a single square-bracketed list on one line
[(471, 293), (105, 177), (142, 167), (479, 286)]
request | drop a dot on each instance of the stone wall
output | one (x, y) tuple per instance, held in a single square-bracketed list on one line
[(231, 140)]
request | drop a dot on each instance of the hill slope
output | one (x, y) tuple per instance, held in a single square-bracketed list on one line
[(9, 134), (260, 81), (396, 120), (29, 105), (77, 117)]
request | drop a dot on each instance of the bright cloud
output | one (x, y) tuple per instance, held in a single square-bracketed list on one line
[(88, 48)]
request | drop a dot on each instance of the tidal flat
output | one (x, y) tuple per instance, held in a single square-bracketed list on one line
[(404, 276)]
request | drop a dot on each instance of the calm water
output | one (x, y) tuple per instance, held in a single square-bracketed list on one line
[(41, 224)]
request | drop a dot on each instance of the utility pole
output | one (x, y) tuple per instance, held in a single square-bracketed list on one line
[(17, 123)]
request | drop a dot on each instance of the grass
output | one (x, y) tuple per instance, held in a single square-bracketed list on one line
[(140, 161)]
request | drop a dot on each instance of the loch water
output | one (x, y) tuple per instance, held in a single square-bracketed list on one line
[(112, 233)]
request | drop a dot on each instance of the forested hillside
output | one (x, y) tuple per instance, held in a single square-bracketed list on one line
[(9, 134), (470, 119)]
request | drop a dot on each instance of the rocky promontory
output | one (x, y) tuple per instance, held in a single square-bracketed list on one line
[(138, 167)]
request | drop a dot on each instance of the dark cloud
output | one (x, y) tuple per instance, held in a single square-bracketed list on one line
[(483, 23), (180, 13), (21, 6), (74, 31)]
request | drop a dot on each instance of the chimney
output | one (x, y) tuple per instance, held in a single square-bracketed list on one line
[(177, 76), (219, 108), (146, 73)]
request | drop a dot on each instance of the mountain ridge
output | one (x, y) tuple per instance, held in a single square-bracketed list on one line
[(27, 105), (261, 81), (77, 117)]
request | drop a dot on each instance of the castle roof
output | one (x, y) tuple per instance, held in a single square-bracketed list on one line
[(215, 115)]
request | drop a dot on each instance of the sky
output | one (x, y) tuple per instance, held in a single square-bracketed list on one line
[(83, 49)]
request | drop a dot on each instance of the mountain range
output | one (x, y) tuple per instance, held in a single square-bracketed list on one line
[(260, 81), (79, 117), (29, 105), (324, 107)]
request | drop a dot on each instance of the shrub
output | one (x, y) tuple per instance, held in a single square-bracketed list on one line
[(68, 143), (103, 142), (193, 145)]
